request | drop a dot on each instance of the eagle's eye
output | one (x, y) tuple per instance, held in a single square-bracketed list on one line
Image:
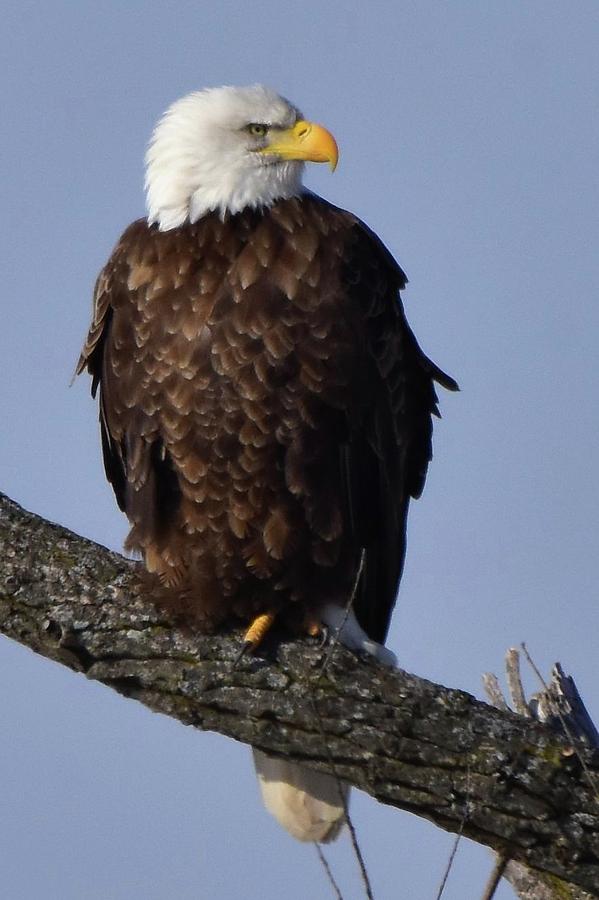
[(257, 129)]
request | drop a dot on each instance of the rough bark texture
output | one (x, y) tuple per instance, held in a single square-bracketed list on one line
[(513, 784), (560, 705), (529, 884)]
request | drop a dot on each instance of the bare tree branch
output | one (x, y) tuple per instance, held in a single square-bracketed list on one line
[(560, 705), (406, 741)]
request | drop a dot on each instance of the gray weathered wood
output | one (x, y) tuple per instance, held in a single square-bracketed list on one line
[(559, 705), (409, 743)]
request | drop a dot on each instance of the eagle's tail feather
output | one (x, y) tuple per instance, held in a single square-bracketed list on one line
[(309, 805)]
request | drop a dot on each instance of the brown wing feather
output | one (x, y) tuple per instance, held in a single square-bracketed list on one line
[(387, 457), (265, 409), (92, 360)]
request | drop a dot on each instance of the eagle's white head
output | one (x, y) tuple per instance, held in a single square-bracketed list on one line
[(228, 148)]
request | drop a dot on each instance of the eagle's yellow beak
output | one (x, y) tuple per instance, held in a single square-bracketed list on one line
[(306, 141)]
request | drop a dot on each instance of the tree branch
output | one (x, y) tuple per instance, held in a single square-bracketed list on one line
[(409, 743), (560, 705)]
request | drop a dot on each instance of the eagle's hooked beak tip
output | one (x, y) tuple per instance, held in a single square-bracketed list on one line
[(307, 142)]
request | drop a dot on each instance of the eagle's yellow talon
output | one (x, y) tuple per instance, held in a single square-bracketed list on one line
[(258, 630), (254, 635), (314, 629)]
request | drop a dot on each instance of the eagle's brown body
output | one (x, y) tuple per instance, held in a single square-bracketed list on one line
[(265, 410)]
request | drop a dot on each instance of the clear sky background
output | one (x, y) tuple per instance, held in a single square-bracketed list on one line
[(469, 136)]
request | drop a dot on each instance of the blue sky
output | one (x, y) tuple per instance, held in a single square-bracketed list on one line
[(469, 141)]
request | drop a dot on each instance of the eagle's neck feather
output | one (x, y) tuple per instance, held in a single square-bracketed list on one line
[(233, 192)]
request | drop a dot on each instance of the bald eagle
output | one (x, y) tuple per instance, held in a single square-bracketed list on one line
[(265, 409)]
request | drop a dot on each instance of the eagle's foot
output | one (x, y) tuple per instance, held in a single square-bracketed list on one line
[(317, 630), (314, 629), (346, 628), (255, 634)]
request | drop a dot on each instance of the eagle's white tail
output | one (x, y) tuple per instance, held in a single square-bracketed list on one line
[(307, 803), (311, 805)]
